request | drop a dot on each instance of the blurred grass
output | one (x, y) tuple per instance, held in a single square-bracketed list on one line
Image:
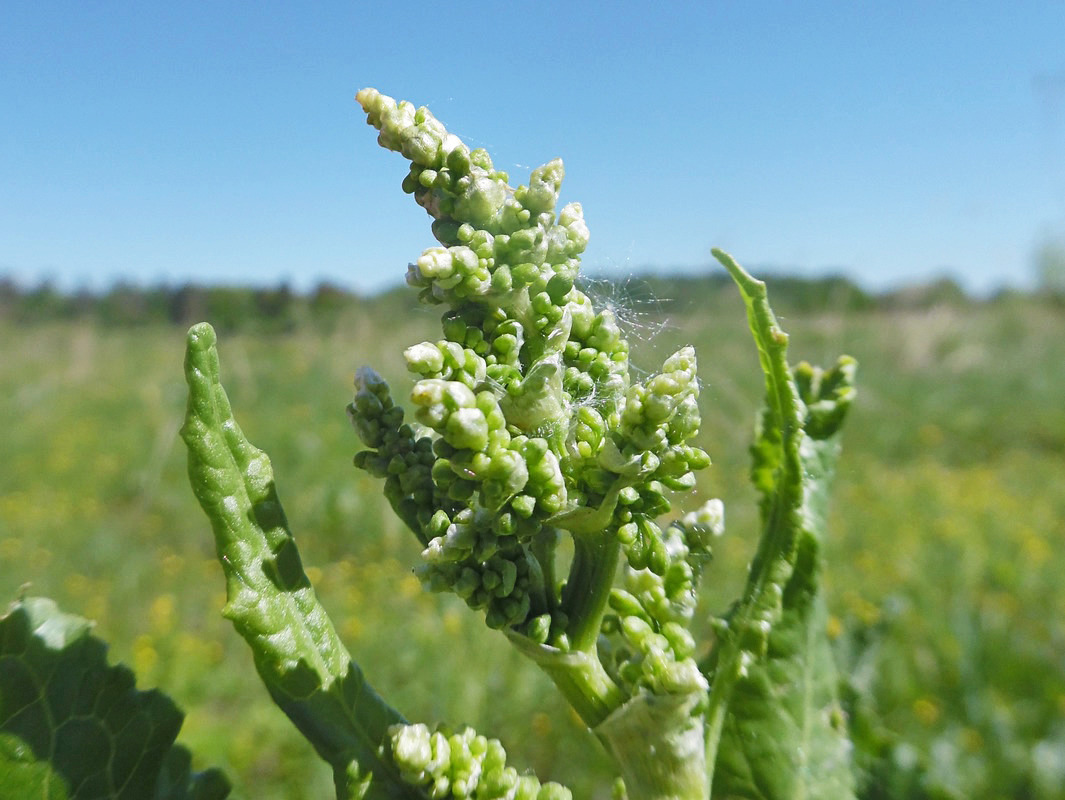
[(945, 563)]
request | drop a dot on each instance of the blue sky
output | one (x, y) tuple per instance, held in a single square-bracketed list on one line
[(220, 142)]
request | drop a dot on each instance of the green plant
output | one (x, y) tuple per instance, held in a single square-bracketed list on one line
[(535, 476)]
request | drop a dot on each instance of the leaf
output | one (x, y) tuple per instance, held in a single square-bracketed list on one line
[(776, 731), (270, 601), (785, 735), (73, 727)]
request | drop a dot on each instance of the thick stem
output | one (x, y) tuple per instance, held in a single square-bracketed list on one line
[(578, 675), (658, 742), (545, 600), (587, 591)]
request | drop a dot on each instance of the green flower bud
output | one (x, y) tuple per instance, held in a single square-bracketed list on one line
[(680, 640), (571, 217), (701, 526), (636, 630), (427, 178), (626, 605), (445, 229), (537, 402), (539, 628), (502, 281), (544, 184), (528, 246), (423, 148), (458, 160), (466, 428), (559, 287), (424, 358), (554, 791), (480, 158), (680, 483), (411, 747), (481, 201), (435, 263), (469, 581)]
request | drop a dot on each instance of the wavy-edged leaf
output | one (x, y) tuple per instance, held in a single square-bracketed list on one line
[(270, 601), (775, 728), (72, 726)]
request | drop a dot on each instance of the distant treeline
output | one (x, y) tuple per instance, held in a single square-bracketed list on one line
[(228, 308), (280, 308)]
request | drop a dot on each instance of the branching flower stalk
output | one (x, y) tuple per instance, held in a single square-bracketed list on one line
[(526, 429)]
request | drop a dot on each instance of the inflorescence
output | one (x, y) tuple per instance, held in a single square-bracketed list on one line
[(527, 424)]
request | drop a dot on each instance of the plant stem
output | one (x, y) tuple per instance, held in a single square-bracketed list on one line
[(658, 742), (578, 675), (585, 596)]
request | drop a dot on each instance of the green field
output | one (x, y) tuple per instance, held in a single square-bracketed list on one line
[(945, 566)]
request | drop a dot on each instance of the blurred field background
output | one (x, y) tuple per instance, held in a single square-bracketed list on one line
[(945, 562)]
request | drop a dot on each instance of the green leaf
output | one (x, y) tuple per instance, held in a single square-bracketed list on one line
[(785, 735), (270, 601), (23, 775), (776, 730), (73, 727)]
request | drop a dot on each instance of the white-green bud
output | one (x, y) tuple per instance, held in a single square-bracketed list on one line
[(435, 263), (544, 183), (571, 217), (466, 429), (411, 747), (424, 358)]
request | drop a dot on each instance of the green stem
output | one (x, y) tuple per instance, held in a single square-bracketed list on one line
[(578, 675), (545, 597), (658, 742), (587, 590)]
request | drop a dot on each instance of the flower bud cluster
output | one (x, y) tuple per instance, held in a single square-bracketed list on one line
[(462, 765), (399, 455), (475, 496), (495, 239), (662, 413), (650, 643), (827, 395), (649, 447), (484, 558), (533, 426)]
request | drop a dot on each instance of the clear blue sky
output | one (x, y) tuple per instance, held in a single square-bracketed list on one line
[(220, 142)]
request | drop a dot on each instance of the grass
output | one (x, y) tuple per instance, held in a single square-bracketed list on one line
[(948, 533)]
